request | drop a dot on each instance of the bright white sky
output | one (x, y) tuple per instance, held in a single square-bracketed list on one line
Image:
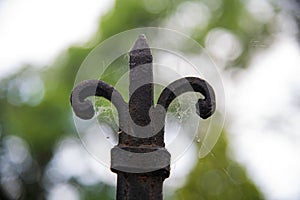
[(264, 119), (36, 31)]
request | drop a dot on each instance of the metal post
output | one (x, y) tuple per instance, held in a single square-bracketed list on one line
[(140, 159), (141, 185)]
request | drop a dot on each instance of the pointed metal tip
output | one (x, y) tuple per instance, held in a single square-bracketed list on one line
[(140, 43)]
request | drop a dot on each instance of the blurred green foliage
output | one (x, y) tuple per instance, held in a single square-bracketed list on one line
[(218, 177), (46, 122)]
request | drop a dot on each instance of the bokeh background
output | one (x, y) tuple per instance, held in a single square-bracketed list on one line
[(254, 43)]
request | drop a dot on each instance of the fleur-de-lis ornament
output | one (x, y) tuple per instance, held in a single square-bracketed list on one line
[(140, 159)]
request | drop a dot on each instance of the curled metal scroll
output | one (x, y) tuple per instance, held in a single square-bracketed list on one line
[(204, 107), (83, 107)]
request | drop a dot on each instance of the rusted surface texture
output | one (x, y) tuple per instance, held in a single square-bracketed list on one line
[(139, 186), (140, 160)]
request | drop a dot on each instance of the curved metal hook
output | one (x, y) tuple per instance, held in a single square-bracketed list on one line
[(83, 107), (205, 107)]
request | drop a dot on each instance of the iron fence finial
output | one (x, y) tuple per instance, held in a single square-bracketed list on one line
[(140, 159)]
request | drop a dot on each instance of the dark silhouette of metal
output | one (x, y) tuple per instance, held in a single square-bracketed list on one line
[(140, 159)]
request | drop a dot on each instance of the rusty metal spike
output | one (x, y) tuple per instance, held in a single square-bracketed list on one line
[(141, 81), (140, 43)]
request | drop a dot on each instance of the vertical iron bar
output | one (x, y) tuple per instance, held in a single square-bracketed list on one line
[(141, 75), (145, 186)]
